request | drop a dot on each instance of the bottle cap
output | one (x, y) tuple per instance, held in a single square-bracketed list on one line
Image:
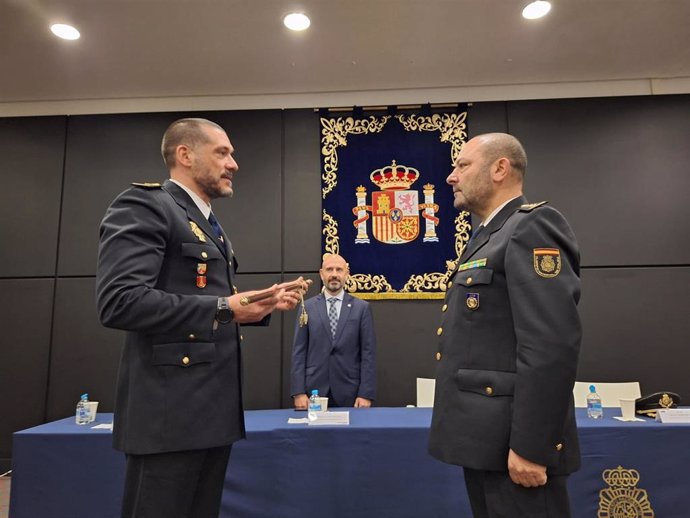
[(315, 392), (84, 396), (592, 389)]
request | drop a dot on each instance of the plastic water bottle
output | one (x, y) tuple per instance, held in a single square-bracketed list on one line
[(594, 409), (314, 404), (83, 416)]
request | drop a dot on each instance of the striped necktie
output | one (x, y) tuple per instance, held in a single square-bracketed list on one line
[(332, 315)]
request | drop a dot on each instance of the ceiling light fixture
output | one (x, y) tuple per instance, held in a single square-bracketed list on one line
[(297, 21), (536, 10), (66, 32)]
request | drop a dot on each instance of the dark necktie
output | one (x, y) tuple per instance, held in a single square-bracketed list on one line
[(476, 233), (332, 315), (216, 226)]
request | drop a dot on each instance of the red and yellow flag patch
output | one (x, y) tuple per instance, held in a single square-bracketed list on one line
[(547, 262)]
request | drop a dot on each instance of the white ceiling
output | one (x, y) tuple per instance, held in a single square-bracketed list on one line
[(149, 55)]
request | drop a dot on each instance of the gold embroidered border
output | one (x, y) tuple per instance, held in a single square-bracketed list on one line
[(365, 281), (398, 295), (462, 232), (451, 126), (435, 281), (330, 230), (334, 133)]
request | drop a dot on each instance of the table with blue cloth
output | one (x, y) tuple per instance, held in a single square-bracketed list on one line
[(377, 466)]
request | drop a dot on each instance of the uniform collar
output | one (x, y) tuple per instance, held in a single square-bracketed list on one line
[(204, 207)]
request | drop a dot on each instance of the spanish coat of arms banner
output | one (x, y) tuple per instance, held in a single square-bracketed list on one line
[(386, 206)]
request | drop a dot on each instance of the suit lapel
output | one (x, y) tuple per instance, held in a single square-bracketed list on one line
[(194, 214), (345, 309), (322, 314)]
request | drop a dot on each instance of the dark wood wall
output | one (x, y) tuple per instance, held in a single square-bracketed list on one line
[(616, 167)]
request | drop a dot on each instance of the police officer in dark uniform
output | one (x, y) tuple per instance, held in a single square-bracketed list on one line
[(508, 342), (166, 276)]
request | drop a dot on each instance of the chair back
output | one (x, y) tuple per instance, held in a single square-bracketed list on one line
[(610, 393)]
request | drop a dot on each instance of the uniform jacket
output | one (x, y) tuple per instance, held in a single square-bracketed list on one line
[(509, 344), (179, 385), (344, 366)]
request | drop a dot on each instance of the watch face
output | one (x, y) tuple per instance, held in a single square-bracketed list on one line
[(224, 316)]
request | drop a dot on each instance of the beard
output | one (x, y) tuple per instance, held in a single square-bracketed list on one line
[(212, 186), (473, 196), (334, 285)]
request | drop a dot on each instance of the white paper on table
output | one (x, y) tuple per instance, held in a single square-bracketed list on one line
[(331, 418), (673, 415), (297, 420), (103, 426), (620, 418)]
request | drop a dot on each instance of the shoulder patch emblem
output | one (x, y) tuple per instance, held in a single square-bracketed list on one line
[(147, 185), (531, 206), (547, 262)]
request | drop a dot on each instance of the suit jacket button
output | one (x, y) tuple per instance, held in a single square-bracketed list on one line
[(438, 356), (439, 331), (469, 280), (559, 447), (489, 391), (185, 360), (192, 336), (444, 308), (204, 255)]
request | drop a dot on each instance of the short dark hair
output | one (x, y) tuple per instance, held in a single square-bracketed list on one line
[(184, 131), (503, 145)]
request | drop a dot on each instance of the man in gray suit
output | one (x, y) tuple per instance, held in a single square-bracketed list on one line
[(509, 342), (166, 276), (336, 351)]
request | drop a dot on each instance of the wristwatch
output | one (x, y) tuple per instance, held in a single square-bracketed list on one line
[(224, 314)]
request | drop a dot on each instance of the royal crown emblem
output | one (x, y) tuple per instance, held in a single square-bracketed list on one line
[(622, 499), (395, 208)]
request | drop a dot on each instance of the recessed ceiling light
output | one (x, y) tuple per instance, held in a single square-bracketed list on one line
[(536, 10), (66, 32), (297, 21)]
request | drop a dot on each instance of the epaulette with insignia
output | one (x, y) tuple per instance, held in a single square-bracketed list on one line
[(147, 185), (531, 206)]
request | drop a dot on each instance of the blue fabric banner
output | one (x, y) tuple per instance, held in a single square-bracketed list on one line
[(386, 206)]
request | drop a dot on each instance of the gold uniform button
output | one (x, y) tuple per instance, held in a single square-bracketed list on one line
[(450, 284), (241, 338), (204, 255), (438, 356), (469, 280), (559, 447), (192, 336), (444, 308), (185, 360), (489, 391), (439, 331)]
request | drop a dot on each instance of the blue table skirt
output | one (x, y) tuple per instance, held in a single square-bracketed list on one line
[(375, 467)]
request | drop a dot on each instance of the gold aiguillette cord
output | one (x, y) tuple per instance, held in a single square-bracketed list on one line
[(303, 317)]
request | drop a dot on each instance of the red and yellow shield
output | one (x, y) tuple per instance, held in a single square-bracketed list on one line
[(395, 216)]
